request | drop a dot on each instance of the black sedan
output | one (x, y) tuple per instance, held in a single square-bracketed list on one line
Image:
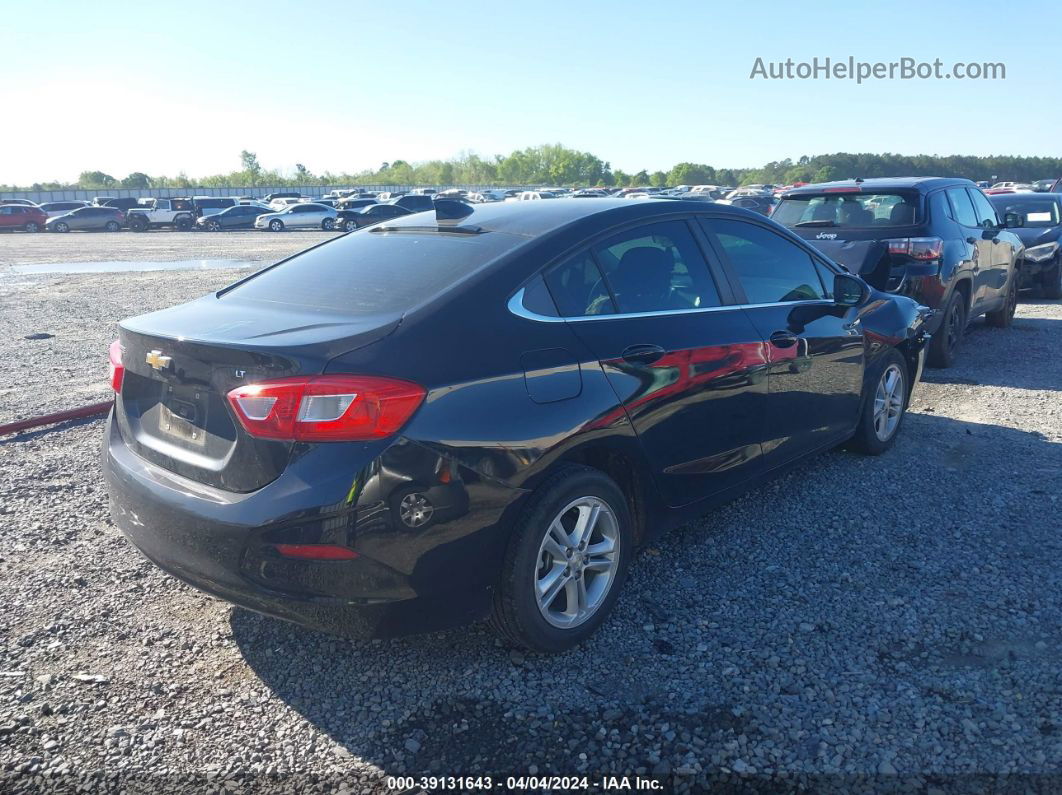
[(1037, 220), (239, 217), (349, 220), (482, 413)]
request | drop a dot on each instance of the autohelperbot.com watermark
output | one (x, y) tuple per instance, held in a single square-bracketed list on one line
[(863, 71)]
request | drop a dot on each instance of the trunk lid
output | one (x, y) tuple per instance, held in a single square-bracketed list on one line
[(181, 362)]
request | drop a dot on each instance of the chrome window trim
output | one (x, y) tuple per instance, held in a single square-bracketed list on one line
[(516, 306)]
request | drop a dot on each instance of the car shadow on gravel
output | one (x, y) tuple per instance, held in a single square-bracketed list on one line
[(779, 613)]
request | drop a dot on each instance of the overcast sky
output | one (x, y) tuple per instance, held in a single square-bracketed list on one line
[(166, 87)]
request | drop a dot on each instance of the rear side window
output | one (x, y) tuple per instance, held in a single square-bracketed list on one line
[(961, 208), (579, 289), (373, 272), (770, 268), (656, 268)]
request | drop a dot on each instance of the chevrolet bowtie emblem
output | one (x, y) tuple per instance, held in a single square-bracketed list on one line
[(157, 360)]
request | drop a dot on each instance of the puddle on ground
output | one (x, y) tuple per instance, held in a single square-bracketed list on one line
[(116, 266)]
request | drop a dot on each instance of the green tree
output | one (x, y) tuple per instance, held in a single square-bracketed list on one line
[(691, 174), (137, 179), (302, 174), (96, 179), (251, 167)]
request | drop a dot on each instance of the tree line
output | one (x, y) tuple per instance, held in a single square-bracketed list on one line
[(554, 164)]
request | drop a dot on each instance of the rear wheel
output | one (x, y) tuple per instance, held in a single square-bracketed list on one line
[(276, 225), (1051, 281), (566, 563), (33, 226), (946, 341), (328, 224), (182, 223), (112, 226), (884, 407), (1004, 316)]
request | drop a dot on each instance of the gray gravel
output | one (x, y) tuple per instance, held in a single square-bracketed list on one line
[(20, 248), (859, 623)]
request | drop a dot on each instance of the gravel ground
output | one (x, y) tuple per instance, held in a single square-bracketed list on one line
[(875, 623), (20, 248)]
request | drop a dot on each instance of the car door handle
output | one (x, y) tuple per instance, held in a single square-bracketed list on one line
[(783, 339), (972, 241), (642, 354)]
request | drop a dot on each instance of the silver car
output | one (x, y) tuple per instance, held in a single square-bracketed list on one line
[(298, 216)]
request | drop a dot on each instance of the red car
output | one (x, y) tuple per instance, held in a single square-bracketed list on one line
[(20, 216)]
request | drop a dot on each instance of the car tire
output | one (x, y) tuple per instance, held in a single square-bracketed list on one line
[(112, 226), (1004, 316), (33, 226), (946, 340), (1051, 282), (138, 224), (182, 223), (520, 607), (61, 226), (328, 224), (883, 406), (349, 226), (276, 225), (213, 226)]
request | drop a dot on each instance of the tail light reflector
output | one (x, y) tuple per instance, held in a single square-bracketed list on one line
[(921, 248), (117, 369), (316, 551), (326, 408)]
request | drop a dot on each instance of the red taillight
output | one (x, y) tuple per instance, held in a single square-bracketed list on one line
[(316, 551), (117, 369), (921, 248), (326, 408)]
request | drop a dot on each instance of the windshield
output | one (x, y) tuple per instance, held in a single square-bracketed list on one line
[(1035, 213), (849, 210)]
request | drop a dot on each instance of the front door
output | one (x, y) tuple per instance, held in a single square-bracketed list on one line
[(1002, 252), (979, 244), (814, 347), (689, 372)]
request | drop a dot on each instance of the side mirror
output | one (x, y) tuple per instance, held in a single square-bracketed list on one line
[(848, 290), (1013, 221)]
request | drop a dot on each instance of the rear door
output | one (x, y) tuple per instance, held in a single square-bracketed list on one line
[(689, 371), (815, 348)]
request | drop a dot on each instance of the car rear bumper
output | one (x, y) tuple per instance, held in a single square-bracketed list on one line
[(405, 579)]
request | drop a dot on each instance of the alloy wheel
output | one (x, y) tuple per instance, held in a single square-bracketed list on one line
[(577, 562), (888, 402), (415, 510)]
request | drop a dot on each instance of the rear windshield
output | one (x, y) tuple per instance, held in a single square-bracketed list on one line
[(1036, 213), (374, 272), (849, 210)]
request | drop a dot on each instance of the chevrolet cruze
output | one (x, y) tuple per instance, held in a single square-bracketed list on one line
[(481, 413)]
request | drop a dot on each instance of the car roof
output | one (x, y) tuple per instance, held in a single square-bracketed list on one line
[(531, 219), (884, 183)]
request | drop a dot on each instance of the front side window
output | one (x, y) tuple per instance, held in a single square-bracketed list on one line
[(657, 268), (1035, 213), (770, 268), (984, 211)]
